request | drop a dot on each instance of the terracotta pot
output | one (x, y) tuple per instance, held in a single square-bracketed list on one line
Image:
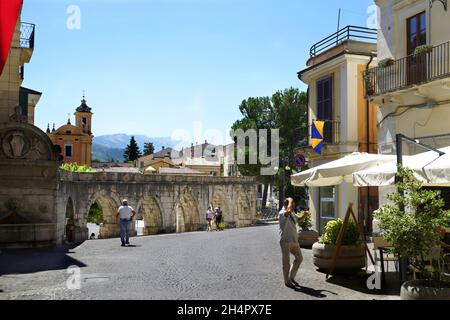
[(351, 259), (306, 238), (420, 290)]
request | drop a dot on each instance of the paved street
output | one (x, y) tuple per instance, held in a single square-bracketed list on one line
[(235, 264)]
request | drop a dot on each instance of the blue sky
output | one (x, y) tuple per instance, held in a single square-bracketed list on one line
[(151, 67)]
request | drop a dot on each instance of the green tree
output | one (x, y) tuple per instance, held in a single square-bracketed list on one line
[(287, 111), (95, 214), (149, 148), (132, 152)]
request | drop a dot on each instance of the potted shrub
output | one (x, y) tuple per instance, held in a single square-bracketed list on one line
[(423, 50), (386, 63), (352, 255), (410, 224), (306, 236)]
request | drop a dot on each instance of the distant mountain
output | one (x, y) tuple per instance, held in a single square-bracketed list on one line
[(108, 147)]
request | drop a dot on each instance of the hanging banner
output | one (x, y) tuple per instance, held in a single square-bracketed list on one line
[(9, 13)]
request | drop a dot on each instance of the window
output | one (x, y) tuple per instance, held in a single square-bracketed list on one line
[(84, 121), (68, 151), (417, 32), (325, 105), (327, 210)]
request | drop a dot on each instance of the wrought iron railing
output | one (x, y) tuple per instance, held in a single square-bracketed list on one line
[(347, 33), (27, 35), (414, 69)]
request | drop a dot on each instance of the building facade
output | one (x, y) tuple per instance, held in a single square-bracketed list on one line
[(411, 84), (75, 140), (334, 76)]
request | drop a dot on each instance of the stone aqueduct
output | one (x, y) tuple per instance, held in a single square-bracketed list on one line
[(42, 206), (166, 203)]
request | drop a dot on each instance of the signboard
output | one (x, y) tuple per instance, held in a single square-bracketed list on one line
[(300, 161)]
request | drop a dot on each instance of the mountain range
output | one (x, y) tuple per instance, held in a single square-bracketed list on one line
[(111, 147)]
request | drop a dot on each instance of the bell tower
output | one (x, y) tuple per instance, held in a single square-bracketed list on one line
[(83, 117)]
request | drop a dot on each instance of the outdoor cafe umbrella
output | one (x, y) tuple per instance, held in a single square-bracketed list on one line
[(429, 168), (338, 171)]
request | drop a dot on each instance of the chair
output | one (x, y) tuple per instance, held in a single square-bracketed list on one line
[(435, 255), (445, 266), (379, 244)]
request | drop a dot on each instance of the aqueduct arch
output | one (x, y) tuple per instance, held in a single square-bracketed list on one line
[(109, 203), (150, 210), (187, 213)]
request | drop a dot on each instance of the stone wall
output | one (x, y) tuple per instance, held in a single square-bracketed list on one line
[(166, 203)]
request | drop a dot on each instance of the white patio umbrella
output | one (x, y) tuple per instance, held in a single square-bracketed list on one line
[(338, 171), (428, 168)]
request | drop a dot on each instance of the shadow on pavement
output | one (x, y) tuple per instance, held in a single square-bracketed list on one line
[(14, 261), (133, 246), (313, 292), (359, 283)]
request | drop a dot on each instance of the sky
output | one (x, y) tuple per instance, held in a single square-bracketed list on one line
[(158, 67)]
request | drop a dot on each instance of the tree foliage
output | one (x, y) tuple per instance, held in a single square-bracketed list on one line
[(149, 148), (95, 214), (412, 221), (287, 111), (132, 151), (73, 167)]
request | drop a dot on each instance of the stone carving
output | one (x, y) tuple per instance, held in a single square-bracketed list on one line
[(17, 144)]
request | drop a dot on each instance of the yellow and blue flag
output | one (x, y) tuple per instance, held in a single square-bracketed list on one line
[(317, 136)]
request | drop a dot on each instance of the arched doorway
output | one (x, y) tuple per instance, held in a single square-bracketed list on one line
[(187, 215), (222, 201), (70, 222), (150, 213), (108, 227)]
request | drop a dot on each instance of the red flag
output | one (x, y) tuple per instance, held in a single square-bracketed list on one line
[(9, 13)]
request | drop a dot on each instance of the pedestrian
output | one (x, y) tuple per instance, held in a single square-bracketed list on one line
[(126, 214), (209, 218), (219, 218), (288, 221)]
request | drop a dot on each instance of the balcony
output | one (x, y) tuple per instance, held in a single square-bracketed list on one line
[(348, 33), (409, 72), (27, 35)]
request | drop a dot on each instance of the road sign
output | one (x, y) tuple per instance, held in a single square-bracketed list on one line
[(300, 161)]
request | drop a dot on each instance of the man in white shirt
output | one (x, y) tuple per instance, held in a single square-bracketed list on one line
[(126, 215)]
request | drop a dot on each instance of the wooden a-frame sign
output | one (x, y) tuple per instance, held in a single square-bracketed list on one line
[(341, 238)]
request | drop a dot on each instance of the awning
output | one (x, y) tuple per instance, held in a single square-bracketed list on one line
[(428, 168), (338, 171)]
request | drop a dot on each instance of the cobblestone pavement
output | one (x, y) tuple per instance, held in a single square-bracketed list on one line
[(235, 264)]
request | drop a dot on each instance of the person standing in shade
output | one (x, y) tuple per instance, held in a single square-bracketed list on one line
[(288, 221), (126, 214), (219, 218)]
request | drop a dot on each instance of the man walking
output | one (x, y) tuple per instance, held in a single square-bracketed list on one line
[(126, 215), (289, 242)]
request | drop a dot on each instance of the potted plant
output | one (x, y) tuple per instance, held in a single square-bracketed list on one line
[(352, 255), (423, 50), (386, 63), (306, 236), (410, 224)]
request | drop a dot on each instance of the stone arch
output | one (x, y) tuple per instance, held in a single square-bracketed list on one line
[(222, 200), (109, 203), (70, 222), (187, 215), (150, 211)]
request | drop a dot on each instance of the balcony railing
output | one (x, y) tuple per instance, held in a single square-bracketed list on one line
[(331, 133), (27, 35), (347, 33), (409, 71)]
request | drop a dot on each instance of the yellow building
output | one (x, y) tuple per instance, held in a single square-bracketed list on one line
[(411, 84), (75, 140), (334, 76), (18, 103)]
